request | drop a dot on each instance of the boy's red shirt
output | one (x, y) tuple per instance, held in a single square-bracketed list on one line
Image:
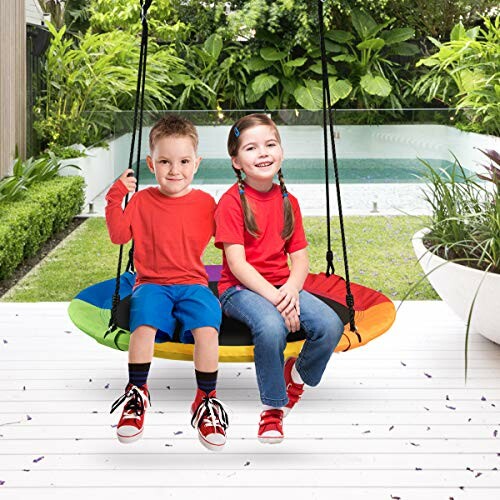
[(268, 253), (170, 234)]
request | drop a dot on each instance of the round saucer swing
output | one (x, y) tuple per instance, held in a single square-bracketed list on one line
[(102, 310)]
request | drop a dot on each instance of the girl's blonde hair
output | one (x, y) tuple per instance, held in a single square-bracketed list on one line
[(233, 145)]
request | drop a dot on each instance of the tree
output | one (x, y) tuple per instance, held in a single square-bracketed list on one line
[(436, 18)]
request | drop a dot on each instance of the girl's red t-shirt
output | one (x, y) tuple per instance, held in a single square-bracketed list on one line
[(268, 253)]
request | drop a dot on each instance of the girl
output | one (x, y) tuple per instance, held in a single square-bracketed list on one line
[(258, 226)]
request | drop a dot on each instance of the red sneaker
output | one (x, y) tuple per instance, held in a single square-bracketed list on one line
[(209, 416), (293, 390), (271, 426), (131, 424)]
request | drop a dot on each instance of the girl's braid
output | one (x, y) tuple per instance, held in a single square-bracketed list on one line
[(288, 215)]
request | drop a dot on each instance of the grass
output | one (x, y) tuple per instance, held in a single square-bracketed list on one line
[(379, 250)]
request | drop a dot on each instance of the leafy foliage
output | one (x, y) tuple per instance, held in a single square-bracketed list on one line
[(465, 223), (88, 82), (26, 224), (29, 172), (465, 73), (436, 18), (214, 75)]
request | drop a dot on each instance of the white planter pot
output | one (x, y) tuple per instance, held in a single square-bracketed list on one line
[(457, 286)]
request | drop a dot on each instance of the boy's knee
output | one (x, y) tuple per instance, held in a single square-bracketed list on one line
[(144, 330), (205, 333)]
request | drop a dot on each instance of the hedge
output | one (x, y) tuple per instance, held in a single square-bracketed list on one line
[(25, 225)]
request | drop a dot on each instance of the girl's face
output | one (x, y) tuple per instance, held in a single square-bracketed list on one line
[(259, 156)]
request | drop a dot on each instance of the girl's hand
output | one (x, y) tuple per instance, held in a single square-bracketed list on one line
[(128, 179), (292, 321), (288, 299)]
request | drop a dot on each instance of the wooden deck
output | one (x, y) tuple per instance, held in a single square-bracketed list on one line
[(393, 420)]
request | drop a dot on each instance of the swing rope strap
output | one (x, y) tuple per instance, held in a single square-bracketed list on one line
[(136, 131), (328, 117)]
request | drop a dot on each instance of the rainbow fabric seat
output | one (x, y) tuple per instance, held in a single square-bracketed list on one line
[(90, 311)]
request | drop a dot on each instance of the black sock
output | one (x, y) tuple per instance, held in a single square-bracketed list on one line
[(138, 373), (206, 381)]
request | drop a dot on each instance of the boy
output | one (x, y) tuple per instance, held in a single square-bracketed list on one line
[(171, 225)]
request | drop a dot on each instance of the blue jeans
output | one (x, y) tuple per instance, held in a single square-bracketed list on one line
[(322, 326)]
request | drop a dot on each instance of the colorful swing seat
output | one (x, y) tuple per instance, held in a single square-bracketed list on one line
[(90, 311)]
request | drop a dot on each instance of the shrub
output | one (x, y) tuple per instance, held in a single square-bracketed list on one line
[(464, 74), (28, 172), (26, 224)]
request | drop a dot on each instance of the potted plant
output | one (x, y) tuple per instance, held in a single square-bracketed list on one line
[(459, 250)]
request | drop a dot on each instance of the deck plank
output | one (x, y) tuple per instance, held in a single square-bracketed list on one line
[(393, 419)]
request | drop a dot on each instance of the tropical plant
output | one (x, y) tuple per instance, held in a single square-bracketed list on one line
[(278, 74), (214, 75), (90, 81), (436, 18), (465, 225), (31, 171), (368, 58), (465, 73), (465, 222), (125, 16)]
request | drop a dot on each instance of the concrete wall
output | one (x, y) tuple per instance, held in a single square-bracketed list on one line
[(12, 82), (34, 13)]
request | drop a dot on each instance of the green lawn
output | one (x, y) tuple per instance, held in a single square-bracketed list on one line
[(379, 250)]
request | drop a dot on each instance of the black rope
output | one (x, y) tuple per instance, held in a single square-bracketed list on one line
[(327, 105), (138, 115)]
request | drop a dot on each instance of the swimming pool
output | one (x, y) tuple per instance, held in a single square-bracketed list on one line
[(311, 171)]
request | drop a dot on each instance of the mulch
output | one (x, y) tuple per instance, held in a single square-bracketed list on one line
[(28, 264)]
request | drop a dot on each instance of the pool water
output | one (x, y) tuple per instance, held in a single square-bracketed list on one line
[(311, 171)]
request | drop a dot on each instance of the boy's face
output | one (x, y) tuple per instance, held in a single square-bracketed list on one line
[(174, 163)]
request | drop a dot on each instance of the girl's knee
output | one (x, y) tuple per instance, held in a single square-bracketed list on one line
[(328, 329)]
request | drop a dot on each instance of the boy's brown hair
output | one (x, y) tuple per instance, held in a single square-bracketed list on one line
[(233, 144), (172, 125)]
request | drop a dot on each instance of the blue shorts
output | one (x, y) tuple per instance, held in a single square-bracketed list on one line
[(162, 306)]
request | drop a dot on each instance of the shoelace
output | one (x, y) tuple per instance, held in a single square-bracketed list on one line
[(135, 404), (211, 411)]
